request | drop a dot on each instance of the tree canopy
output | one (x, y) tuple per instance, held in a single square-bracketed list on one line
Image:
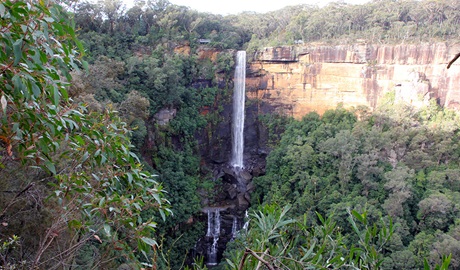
[(67, 169)]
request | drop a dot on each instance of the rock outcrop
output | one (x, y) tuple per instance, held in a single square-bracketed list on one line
[(295, 80)]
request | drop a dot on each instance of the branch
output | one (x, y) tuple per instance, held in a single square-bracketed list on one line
[(260, 259), (15, 197), (453, 60), (240, 267), (260, 263)]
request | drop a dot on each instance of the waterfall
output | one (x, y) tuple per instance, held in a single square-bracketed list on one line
[(210, 223), (234, 227), (212, 256), (246, 223), (238, 109), (214, 232)]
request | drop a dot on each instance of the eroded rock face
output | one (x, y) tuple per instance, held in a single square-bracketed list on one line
[(165, 115), (296, 80)]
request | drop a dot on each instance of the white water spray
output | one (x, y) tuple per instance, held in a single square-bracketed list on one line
[(234, 227), (246, 223), (214, 232), (239, 93)]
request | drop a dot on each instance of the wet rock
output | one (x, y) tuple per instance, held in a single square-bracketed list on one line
[(229, 171), (232, 191), (257, 171), (250, 187), (247, 196), (245, 177), (243, 203), (229, 177), (218, 174)]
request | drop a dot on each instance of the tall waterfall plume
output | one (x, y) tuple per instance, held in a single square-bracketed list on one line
[(238, 110)]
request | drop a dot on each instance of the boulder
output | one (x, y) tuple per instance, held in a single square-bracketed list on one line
[(232, 191), (250, 187), (247, 196), (243, 204), (245, 177)]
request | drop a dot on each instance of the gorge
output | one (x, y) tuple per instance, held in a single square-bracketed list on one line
[(119, 148), (296, 80)]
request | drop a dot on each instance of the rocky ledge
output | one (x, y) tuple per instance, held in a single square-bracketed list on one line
[(296, 80)]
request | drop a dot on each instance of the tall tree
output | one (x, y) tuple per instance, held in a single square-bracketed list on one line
[(69, 171)]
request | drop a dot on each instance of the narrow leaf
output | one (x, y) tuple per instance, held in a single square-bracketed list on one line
[(4, 103), (17, 48), (358, 216), (162, 213), (426, 266), (149, 241), (2, 10), (107, 230), (50, 166)]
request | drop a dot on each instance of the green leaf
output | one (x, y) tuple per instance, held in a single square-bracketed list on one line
[(162, 213), (35, 90), (157, 197), (232, 265), (101, 202), (85, 157), (149, 241), (85, 65), (17, 49), (75, 224), (49, 19), (64, 93), (2, 10), (309, 252), (80, 47), (320, 217), (426, 266), (358, 216), (55, 96), (107, 230), (446, 262), (50, 167), (80, 140), (130, 178)]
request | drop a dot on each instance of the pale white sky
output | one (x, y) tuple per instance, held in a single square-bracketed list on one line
[(225, 7)]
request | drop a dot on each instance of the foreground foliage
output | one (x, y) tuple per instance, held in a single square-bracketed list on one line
[(273, 241), (69, 178)]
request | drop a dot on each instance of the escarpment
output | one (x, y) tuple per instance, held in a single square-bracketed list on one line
[(295, 80)]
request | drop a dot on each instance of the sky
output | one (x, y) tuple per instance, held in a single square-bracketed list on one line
[(225, 7)]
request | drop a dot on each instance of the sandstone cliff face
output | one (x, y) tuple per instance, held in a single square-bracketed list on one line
[(296, 80)]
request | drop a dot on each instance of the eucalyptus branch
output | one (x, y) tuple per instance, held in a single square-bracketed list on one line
[(260, 259)]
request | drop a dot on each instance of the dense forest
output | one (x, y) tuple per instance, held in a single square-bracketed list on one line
[(95, 176)]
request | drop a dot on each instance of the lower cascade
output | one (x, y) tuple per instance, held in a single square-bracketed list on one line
[(223, 226), (234, 227), (214, 233)]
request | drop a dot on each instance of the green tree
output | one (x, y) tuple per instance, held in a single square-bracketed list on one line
[(74, 168), (276, 242)]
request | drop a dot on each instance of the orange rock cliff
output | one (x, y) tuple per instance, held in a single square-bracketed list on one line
[(296, 80)]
